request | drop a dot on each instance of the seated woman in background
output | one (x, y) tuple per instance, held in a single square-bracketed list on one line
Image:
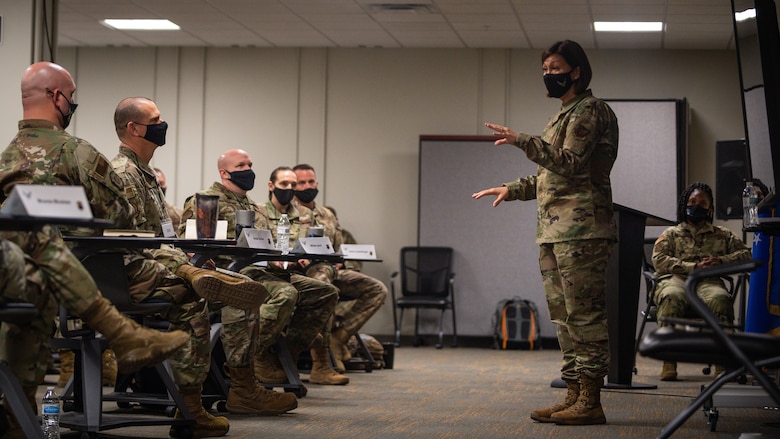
[(694, 243)]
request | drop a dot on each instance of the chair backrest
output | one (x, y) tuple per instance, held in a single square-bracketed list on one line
[(647, 254), (426, 271), (108, 271)]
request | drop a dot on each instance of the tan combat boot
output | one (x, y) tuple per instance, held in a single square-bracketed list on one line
[(67, 359), (135, 346), (338, 347), (321, 372), (217, 286), (587, 410), (572, 392), (14, 429), (205, 425), (669, 371), (247, 396), (109, 368), (268, 370)]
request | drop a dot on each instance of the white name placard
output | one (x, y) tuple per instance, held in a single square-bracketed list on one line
[(256, 238), (313, 246), (358, 251), (48, 201)]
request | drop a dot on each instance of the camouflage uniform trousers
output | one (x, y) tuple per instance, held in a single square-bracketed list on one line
[(52, 276), (364, 293), (301, 305), (574, 276), (671, 302), (150, 277)]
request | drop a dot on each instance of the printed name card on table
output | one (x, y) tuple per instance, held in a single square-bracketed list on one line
[(313, 246), (48, 201), (256, 238), (358, 251)]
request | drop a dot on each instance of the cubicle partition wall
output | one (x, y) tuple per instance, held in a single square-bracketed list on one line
[(495, 252)]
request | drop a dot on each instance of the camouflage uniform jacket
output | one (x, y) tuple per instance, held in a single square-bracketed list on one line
[(680, 247), (267, 217), (575, 155), (43, 153), (142, 190), (324, 217), (229, 203)]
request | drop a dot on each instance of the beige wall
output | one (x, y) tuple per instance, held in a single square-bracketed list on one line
[(16, 54), (356, 114)]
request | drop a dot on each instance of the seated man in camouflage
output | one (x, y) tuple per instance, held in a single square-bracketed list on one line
[(694, 243), (312, 301), (141, 130), (52, 275), (366, 293), (43, 153)]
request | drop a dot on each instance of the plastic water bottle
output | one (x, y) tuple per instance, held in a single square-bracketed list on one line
[(283, 234), (50, 414), (750, 206)]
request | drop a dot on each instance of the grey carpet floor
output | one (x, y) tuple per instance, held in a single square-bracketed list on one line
[(481, 393)]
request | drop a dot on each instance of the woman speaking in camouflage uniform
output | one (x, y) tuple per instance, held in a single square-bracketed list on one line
[(576, 229)]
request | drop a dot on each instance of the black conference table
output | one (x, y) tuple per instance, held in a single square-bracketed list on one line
[(23, 223), (202, 249)]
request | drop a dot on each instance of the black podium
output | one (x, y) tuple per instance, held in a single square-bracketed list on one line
[(624, 274)]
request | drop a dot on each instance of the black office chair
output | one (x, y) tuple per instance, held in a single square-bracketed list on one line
[(650, 313), (83, 395), (426, 281), (740, 352), (9, 385)]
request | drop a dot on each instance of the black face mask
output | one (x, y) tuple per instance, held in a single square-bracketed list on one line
[(66, 117), (558, 83), (696, 214), (306, 196), (284, 196), (155, 133), (244, 179)]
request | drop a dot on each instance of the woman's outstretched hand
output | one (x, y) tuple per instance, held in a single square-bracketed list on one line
[(500, 192), (507, 135)]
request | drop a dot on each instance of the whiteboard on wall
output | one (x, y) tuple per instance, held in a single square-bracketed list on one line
[(496, 256)]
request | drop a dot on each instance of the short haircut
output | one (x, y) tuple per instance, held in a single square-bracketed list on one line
[(303, 167), (575, 56), (127, 111)]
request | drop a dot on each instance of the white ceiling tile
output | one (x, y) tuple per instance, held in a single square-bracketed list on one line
[(361, 39), (222, 39), (495, 39), (618, 40), (543, 39), (296, 38), (429, 40)]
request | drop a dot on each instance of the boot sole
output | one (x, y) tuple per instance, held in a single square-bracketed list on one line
[(580, 422), (244, 410), (542, 419), (244, 295), (329, 383), (141, 357)]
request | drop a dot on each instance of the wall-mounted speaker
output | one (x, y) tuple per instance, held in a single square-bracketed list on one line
[(732, 169)]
